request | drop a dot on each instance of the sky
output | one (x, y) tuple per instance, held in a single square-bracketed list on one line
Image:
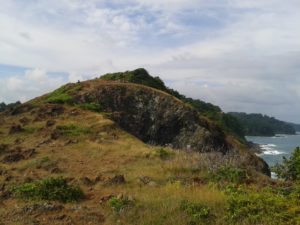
[(243, 55)]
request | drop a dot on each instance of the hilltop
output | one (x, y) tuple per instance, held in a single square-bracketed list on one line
[(110, 152), (140, 76), (256, 124)]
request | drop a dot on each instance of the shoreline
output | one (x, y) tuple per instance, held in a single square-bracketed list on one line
[(254, 147)]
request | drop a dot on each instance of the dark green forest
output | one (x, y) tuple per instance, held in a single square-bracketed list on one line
[(4, 106), (262, 125)]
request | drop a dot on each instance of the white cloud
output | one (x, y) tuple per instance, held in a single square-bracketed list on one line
[(33, 83), (241, 55)]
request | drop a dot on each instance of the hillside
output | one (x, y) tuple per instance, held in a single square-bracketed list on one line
[(103, 152), (296, 126), (140, 76), (262, 125)]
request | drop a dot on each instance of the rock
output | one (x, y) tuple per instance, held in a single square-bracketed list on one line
[(3, 148), (98, 178), (144, 180), (41, 208), (18, 141), (55, 134), (50, 123), (55, 170), (118, 179), (87, 181), (48, 141), (28, 153), (16, 128), (24, 121), (153, 184), (13, 157), (106, 198), (60, 217), (71, 142), (199, 181)]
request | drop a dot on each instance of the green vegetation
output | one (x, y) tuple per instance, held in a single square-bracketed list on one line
[(140, 76), (254, 207), (91, 107), (164, 154), (290, 168), (4, 106), (56, 189), (119, 203), (71, 130), (229, 174), (63, 94), (59, 96), (197, 211), (262, 125)]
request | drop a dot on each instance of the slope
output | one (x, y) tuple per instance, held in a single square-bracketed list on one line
[(140, 76)]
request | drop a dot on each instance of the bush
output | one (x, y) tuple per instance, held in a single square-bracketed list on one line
[(229, 174), (118, 204), (259, 208), (164, 154), (197, 211), (49, 189), (290, 168)]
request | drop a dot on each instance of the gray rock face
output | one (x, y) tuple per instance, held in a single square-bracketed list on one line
[(155, 117)]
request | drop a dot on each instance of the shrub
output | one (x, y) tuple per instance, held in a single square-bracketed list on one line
[(290, 168), (118, 204), (164, 154), (49, 189), (259, 208), (197, 211), (229, 174)]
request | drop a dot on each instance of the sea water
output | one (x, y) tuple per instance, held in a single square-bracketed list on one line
[(277, 147)]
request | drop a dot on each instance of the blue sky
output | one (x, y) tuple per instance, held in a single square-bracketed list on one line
[(242, 55)]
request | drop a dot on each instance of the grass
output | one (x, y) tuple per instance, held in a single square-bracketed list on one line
[(72, 130), (224, 197), (91, 107), (56, 189), (63, 94)]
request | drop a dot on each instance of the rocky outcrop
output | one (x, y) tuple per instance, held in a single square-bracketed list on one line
[(153, 116)]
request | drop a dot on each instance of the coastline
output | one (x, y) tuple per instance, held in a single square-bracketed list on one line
[(254, 147)]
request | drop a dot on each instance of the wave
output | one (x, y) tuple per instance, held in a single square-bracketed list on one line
[(270, 149)]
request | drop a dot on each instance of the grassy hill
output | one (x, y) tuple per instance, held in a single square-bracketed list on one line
[(68, 157)]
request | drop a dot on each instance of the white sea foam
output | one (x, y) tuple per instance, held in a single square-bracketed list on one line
[(270, 149)]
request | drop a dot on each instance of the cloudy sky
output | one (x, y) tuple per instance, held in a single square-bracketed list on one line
[(243, 55)]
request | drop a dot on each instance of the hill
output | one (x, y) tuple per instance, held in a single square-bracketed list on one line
[(104, 152), (140, 76), (296, 126), (262, 125)]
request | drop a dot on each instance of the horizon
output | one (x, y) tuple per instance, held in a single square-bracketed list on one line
[(239, 55)]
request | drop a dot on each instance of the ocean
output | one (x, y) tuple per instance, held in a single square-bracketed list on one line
[(274, 148)]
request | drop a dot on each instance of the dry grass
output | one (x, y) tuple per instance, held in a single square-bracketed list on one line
[(107, 151)]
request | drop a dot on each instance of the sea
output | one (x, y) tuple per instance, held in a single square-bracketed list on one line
[(276, 147)]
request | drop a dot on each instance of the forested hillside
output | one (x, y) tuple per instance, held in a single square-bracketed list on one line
[(262, 125)]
